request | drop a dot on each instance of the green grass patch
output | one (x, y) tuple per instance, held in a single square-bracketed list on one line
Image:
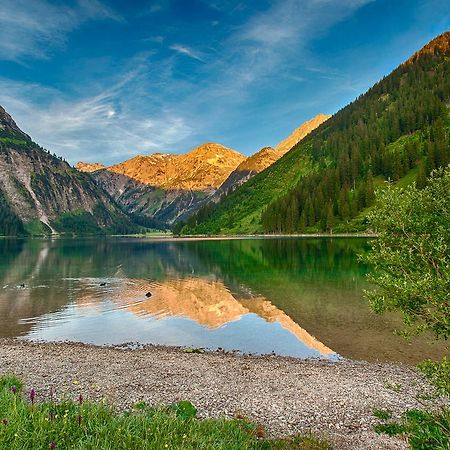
[(423, 429), (13, 141), (79, 424), (382, 414)]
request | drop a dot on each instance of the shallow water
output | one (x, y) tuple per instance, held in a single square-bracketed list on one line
[(297, 297)]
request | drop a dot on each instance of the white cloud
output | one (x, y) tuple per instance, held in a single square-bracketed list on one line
[(186, 51), (31, 29), (101, 127)]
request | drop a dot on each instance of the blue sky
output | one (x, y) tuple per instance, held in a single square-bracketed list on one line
[(105, 80)]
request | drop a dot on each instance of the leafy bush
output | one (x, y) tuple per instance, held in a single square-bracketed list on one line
[(438, 374), (411, 257)]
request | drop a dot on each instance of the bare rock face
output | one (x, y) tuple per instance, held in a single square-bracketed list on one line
[(88, 167), (165, 186), (259, 161), (301, 132), (206, 167)]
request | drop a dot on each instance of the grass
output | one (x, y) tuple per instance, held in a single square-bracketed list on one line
[(382, 414), (79, 424), (423, 429)]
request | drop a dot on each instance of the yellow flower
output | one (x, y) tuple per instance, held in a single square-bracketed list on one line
[(75, 382)]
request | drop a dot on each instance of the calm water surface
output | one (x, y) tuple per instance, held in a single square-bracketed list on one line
[(298, 297)]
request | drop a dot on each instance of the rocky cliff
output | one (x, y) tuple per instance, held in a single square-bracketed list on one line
[(42, 193)]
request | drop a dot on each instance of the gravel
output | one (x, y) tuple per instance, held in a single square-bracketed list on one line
[(285, 395)]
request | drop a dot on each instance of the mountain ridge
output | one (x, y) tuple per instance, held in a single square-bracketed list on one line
[(170, 187)]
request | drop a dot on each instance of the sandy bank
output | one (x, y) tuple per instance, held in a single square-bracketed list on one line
[(286, 395)]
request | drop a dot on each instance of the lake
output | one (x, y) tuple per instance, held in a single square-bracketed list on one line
[(300, 297)]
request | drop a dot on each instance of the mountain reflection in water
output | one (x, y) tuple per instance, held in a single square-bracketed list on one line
[(208, 303)]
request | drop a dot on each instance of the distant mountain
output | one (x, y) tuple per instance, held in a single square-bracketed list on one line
[(168, 187), (205, 167), (301, 132), (268, 155), (40, 193), (397, 131), (165, 186)]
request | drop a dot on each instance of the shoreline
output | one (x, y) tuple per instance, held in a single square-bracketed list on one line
[(284, 394), (200, 237)]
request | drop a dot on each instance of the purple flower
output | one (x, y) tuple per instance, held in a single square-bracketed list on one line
[(32, 396), (5, 421), (52, 445), (14, 389), (80, 399)]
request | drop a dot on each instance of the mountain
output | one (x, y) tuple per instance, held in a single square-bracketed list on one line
[(40, 193), (203, 168), (168, 188), (268, 155), (164, 186), (396, 131)]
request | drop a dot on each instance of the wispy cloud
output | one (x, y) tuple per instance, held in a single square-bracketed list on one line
[(184, 50), (280, 36), (33, 29), (103, 127)]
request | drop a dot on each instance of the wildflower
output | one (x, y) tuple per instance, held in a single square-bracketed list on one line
[(80, 399), (5, 421), (76, 382), (52, 445), (51, 416), (14, 389), (79, 419), (32, 396)]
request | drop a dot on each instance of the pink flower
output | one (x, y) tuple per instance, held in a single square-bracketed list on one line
[(32, 396), (52, 445)]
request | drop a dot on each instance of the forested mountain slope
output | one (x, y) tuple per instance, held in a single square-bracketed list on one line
[(398, 130), (40, 193)]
